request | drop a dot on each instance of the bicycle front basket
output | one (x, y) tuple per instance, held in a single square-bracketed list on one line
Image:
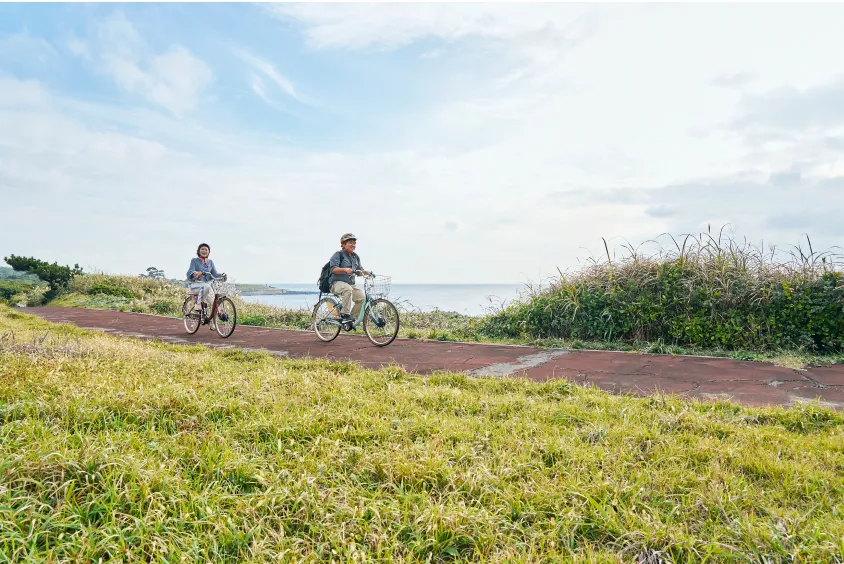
[(377, 287), (224, 288)]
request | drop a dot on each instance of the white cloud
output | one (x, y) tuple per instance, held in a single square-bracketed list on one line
[(563, 128), (21, 49), (258, 88), (394, 25), (129, 202), (268, 69), (600, 98), (21, 93), (79, 48), (173, 79)]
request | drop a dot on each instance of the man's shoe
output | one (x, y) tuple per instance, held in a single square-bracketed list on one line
[(348, 321)]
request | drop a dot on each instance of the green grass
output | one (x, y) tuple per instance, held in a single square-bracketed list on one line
[(115, 449)]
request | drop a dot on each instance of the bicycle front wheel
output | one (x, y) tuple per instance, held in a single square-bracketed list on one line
[(327, 319), (381, 322), (226, 317), (191, 315)]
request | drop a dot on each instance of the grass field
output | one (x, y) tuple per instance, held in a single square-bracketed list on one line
[(114, 449)]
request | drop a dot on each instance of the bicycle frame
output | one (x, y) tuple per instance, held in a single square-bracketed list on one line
[(339, 305), (217, 297)]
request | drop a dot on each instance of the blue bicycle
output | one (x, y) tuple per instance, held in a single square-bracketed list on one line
[(379, 316)]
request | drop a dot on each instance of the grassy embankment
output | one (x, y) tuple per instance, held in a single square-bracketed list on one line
[(702, 296), (117, 449)]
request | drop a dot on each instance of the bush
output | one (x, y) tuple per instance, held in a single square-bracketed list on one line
[(34, 297), (137, 286), (111, 290), (165, 307), (706, 293), (10, 289)]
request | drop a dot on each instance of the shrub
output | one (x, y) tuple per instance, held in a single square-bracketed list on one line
[(165, 307), (701, 293), (111, 290), (34, 297), (9, 289)]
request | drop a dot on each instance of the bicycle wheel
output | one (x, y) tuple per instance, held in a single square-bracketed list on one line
[(381, 322), (327, 319), (226, 317), (191, 315)]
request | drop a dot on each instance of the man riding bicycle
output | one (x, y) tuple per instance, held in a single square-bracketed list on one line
[(200, 272), (344, 264)]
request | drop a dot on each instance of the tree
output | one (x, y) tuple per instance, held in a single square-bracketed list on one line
[(57, 277), (153, 272)]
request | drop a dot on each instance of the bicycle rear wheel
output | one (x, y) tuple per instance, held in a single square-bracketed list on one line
[(381, 322), (226, 317), (191, 315), (327, 319)]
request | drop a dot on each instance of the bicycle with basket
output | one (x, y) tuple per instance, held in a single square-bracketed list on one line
[(223, 314), (379, 316)]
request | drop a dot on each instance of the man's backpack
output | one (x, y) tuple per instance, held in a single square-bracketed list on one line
[(322, 282), (325, 273)]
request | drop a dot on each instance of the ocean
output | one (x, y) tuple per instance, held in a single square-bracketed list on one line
[(469, 299)]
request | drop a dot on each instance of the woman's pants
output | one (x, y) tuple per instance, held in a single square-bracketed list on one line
[(206, 293)]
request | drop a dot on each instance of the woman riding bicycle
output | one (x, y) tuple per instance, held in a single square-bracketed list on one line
[(200, 272)]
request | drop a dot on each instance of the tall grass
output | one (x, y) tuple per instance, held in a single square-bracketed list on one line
[(701, 291)]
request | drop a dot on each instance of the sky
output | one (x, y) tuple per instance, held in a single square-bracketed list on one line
[(461, 143)]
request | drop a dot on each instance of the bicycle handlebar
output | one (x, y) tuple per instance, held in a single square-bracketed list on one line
[(222, 278)]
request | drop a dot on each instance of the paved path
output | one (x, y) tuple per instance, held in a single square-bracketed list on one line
[(742, 381)]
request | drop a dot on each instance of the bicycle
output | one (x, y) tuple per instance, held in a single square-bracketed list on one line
[(379, 316), (223, 315)]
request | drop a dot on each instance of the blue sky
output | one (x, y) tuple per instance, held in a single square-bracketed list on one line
[(462, 143)]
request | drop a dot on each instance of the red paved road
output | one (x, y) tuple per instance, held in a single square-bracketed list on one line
[(746, 382)]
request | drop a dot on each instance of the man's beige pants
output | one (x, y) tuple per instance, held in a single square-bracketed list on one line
[(348, 293)]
